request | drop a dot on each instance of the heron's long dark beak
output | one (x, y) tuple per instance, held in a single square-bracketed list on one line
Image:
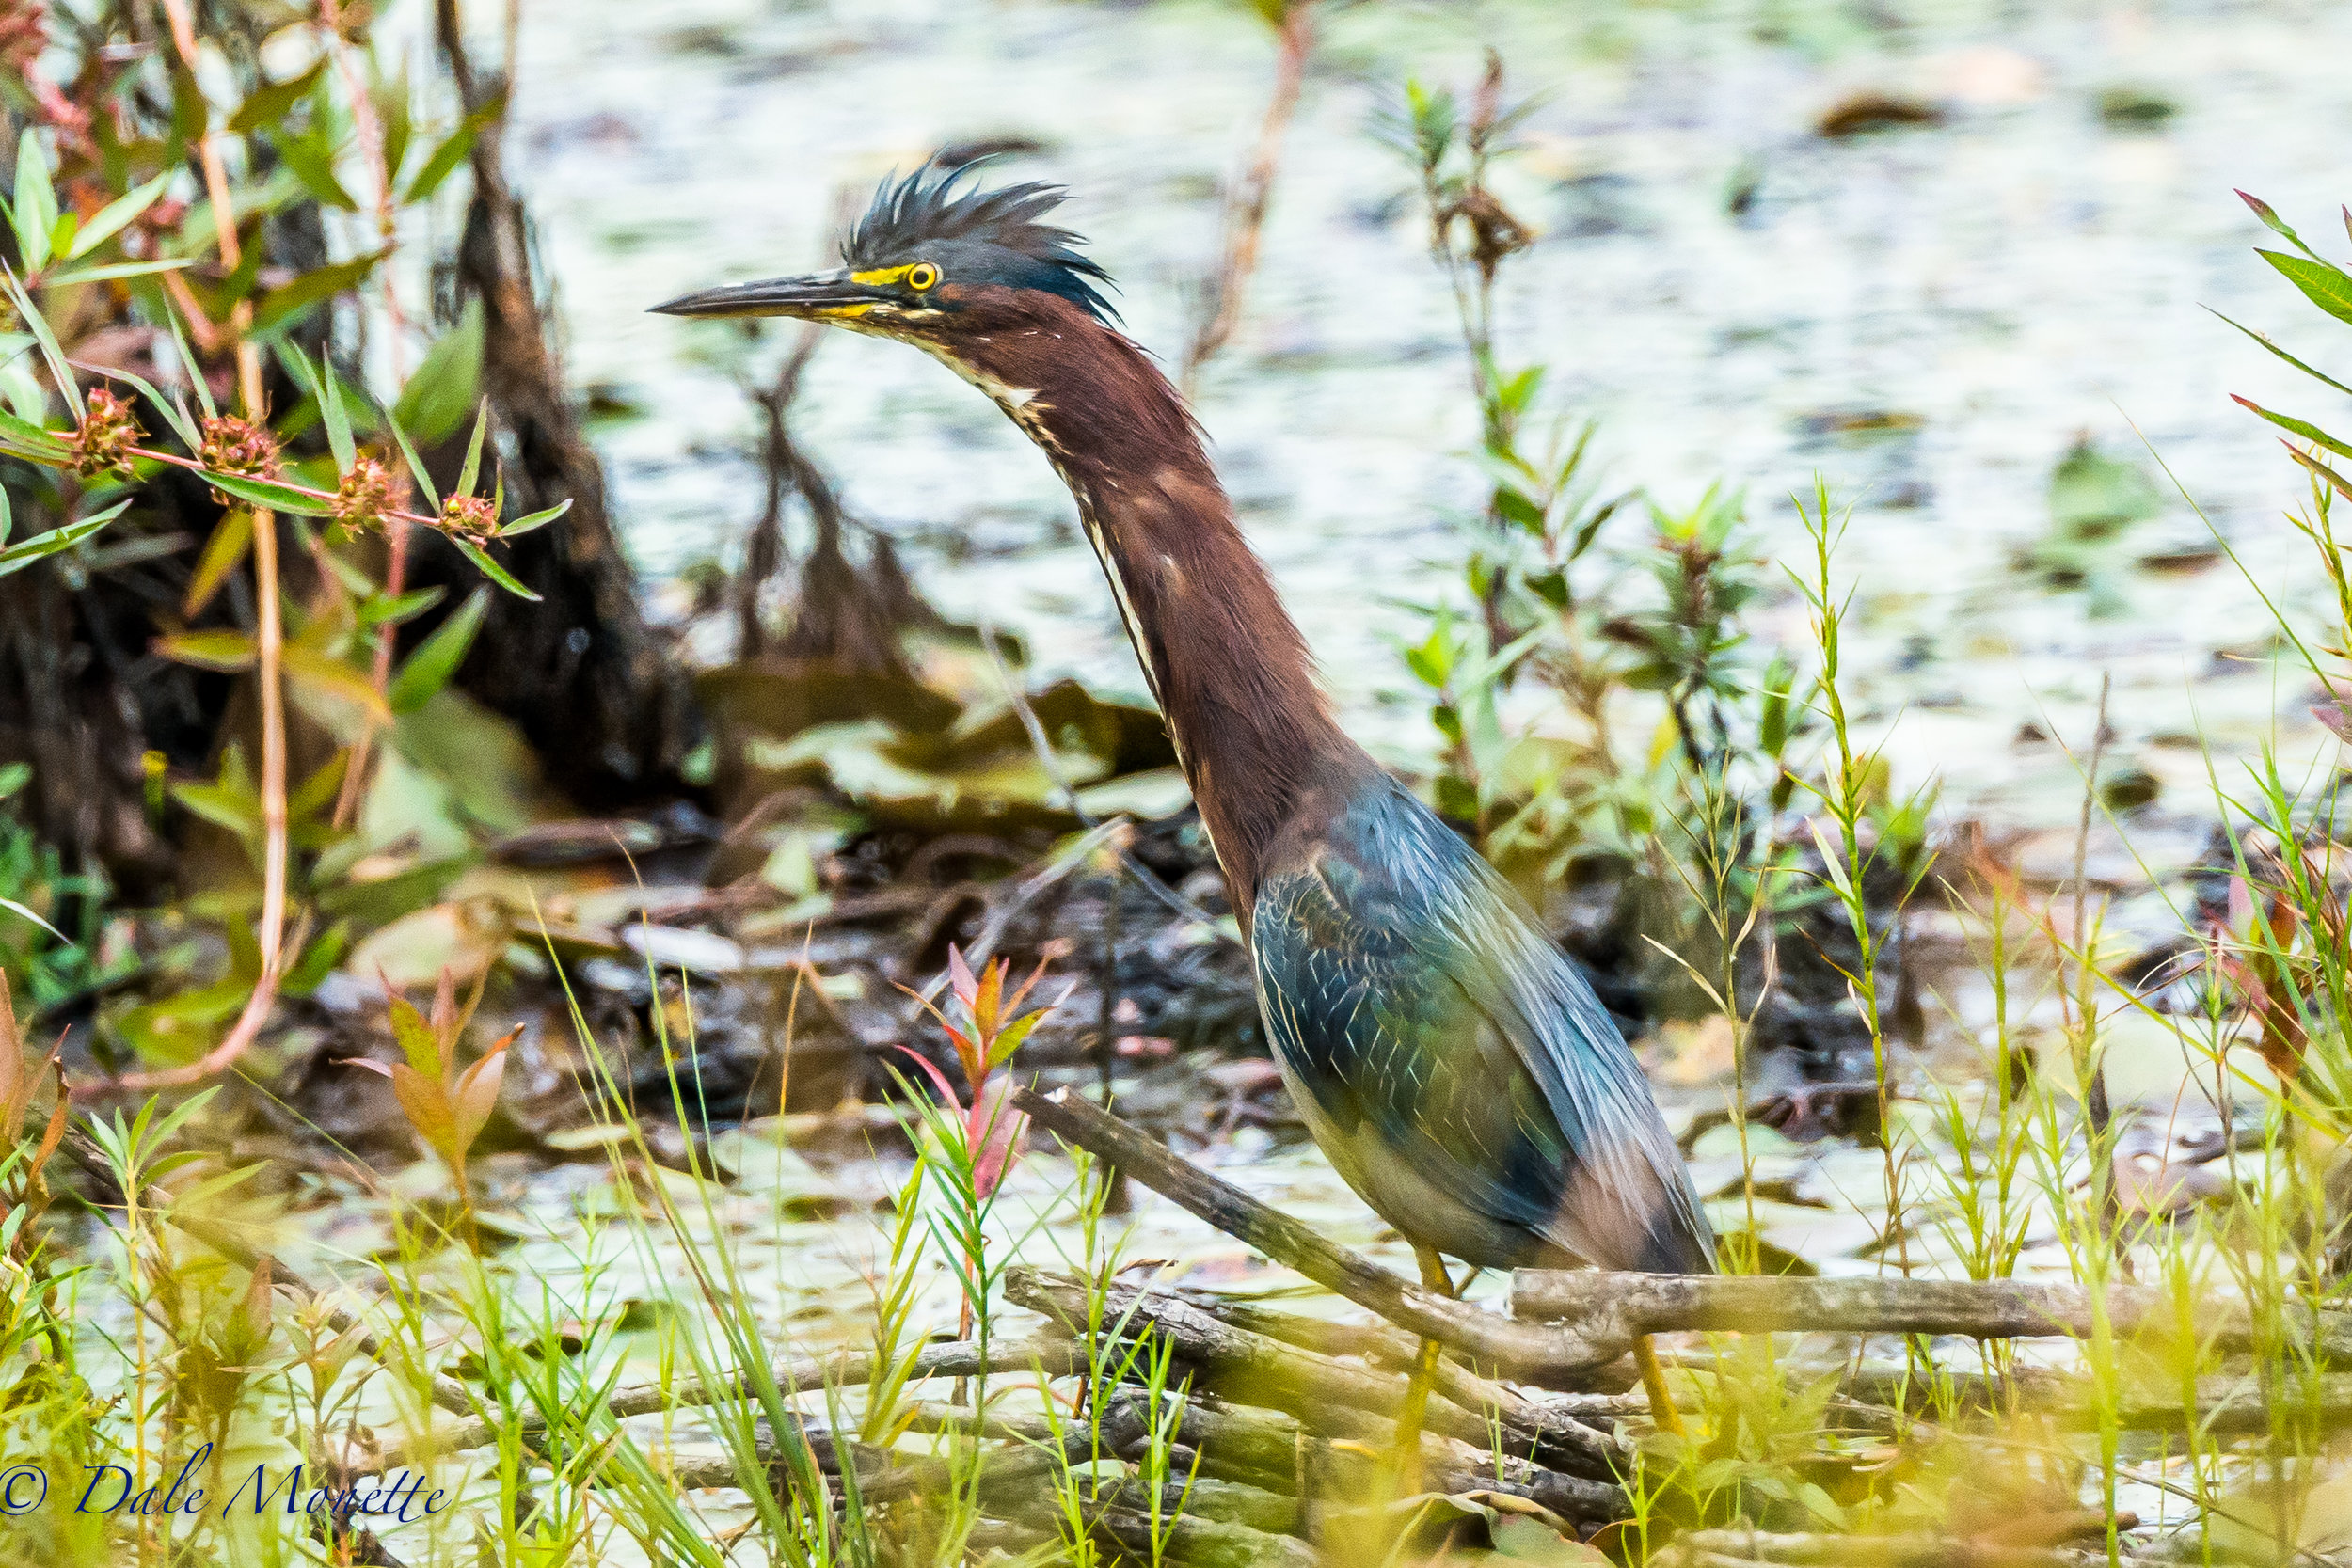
[(833, 293)]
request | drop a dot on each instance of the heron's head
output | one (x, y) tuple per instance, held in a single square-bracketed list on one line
[(932, 260)]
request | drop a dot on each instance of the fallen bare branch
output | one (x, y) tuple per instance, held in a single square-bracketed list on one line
[(1718, 1547), (1264, 1371), (849, 1369), (1548, 1357), (1609, 1307)]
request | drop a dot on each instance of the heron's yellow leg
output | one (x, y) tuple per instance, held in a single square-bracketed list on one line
[(1408, 1421), (1663, 1414)]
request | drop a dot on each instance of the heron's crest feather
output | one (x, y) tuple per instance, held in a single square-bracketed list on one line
[(933, 207)]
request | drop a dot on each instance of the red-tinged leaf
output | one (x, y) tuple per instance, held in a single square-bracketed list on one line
[(2241, 907), (991, 1132), (968, 1052), (2272, 221), (2335, 713), (984, 1006), (445, 1014), (939, 1079), (258, 1300), (2310, 431), (959, 976), (2335, 480), (478, 1093), (362, 1061), (1012, 1002), (14, 1083), (57, 1120)]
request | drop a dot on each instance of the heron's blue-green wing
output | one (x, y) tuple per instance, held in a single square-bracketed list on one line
[(1421, 1010)]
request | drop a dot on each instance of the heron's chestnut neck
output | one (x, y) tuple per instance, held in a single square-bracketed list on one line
[(1231, 673)]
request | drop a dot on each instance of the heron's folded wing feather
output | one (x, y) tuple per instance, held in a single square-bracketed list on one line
[(1417, 994)]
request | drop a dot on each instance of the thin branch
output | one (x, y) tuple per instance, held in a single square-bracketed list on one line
[(1245, 213)]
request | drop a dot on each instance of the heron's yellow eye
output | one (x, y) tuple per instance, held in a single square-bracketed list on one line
[(921, 276)]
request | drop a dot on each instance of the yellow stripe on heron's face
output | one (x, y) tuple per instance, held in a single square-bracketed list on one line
[(882, 275)]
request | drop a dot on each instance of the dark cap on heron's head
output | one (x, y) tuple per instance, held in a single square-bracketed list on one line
[(994, 236), (931, 245)]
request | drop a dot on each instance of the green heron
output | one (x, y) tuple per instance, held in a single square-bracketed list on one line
[(1449, 1057)]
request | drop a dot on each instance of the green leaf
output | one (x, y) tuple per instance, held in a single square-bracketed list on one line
[(112, 218), (191, 117), (318, 960), (380, 610), (1514, 506), (36, 211), (473, 470), (112, 269), (320, 283), (24, 437), (312, 160), (491, 569), (231, 537), (2323, 283), (222, 807), (228, 651), (325, 673), (455, 150), (392, 101), (338, 420), (536, 519), (38, 325), (416, 465), (437, 659), (2260, 337), (17, 557), (441, 392), (2311, 433), (269, 102), (278, 497), (189, 365), (416, 1040), (7, 522)]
